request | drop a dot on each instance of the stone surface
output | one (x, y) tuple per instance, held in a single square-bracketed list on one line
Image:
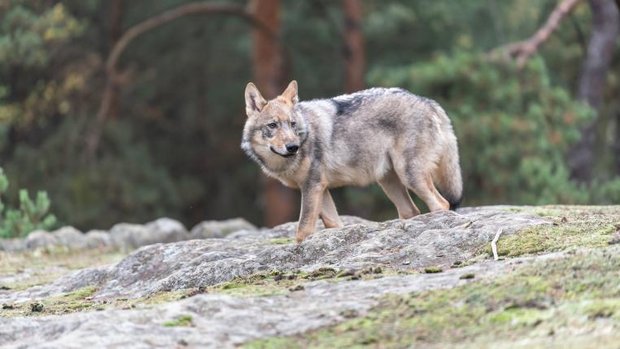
[(40, 238), (216, 320), (222, 321), (436, 239), (130, 236), (126, 236), (12, 245), (98, 239), (71, 238), (220, 229)]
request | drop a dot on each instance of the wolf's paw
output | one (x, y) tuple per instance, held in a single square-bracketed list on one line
[(300, 236)]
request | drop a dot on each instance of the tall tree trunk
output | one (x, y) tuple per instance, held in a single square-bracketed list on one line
[(279, 202), (616, 146), (354, 56), (604, 32)]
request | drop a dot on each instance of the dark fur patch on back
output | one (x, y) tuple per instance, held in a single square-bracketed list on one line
[(348, 106), (388, 124)]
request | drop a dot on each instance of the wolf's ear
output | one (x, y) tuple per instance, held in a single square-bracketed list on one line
[(291, 92), (254, 101)]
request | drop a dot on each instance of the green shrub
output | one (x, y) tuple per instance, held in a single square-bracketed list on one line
[(30, 216)]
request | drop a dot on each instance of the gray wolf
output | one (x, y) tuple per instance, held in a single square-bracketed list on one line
[(385, 135)]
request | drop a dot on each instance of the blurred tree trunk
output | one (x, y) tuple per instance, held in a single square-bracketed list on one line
[(279, 202), (354, 56), (604, 32), (616, 147)]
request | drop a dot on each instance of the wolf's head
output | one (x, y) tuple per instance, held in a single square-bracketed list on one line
[(273, 133)]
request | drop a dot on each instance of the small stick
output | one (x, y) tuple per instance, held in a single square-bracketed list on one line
[(494, 244)]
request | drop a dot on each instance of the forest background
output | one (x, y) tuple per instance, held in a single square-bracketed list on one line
[(133, 110)]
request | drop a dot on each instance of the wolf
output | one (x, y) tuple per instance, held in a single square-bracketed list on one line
[(386, 135)]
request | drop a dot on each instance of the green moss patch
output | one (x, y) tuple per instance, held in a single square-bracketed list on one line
[(71, 302), (542, 303), (573, 226), (277, 282), (433, 270), (82, 300), (282, 241), (181, 321)]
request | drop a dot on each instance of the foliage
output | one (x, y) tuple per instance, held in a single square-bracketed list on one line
[(172, 147), (30, 216), (126, 181), (31, 42)]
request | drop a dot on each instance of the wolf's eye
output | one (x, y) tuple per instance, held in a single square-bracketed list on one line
[(293, 124), (272, 125)]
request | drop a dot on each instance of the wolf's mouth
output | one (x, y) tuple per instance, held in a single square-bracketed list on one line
[(283, 155)]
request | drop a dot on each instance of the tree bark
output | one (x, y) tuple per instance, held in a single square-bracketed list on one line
[(592, 83), (354, 56), (279, 203)]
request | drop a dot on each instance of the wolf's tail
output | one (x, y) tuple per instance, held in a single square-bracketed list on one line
[(448, 176)]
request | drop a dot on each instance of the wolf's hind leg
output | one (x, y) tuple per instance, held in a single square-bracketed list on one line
[(329, 214), (398, 194), (422, 185)]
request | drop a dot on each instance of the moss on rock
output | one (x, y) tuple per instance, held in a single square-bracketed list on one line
[(543, 302), (573, 226)]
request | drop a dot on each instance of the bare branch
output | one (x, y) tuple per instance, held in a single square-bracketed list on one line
[(523, 50), (195, 8), (171, 15)]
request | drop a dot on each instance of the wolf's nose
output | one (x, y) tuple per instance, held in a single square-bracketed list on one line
[(292, 148)]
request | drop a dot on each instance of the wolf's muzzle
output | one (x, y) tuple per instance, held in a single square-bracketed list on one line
[(288, 153), (292, 148)]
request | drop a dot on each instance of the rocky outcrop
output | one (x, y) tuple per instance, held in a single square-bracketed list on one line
[(272, 287), (223, 321), (435, 239)]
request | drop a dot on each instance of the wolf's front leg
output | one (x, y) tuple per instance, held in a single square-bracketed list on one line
[(311, 197), (329, 214)]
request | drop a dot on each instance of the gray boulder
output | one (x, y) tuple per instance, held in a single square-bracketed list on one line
[(220, 229), (130, 236), (71, 238), (168, 229), (12, 245), (40, 239), (98, 239)]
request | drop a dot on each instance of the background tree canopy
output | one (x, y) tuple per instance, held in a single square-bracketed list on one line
[(158, 132)]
